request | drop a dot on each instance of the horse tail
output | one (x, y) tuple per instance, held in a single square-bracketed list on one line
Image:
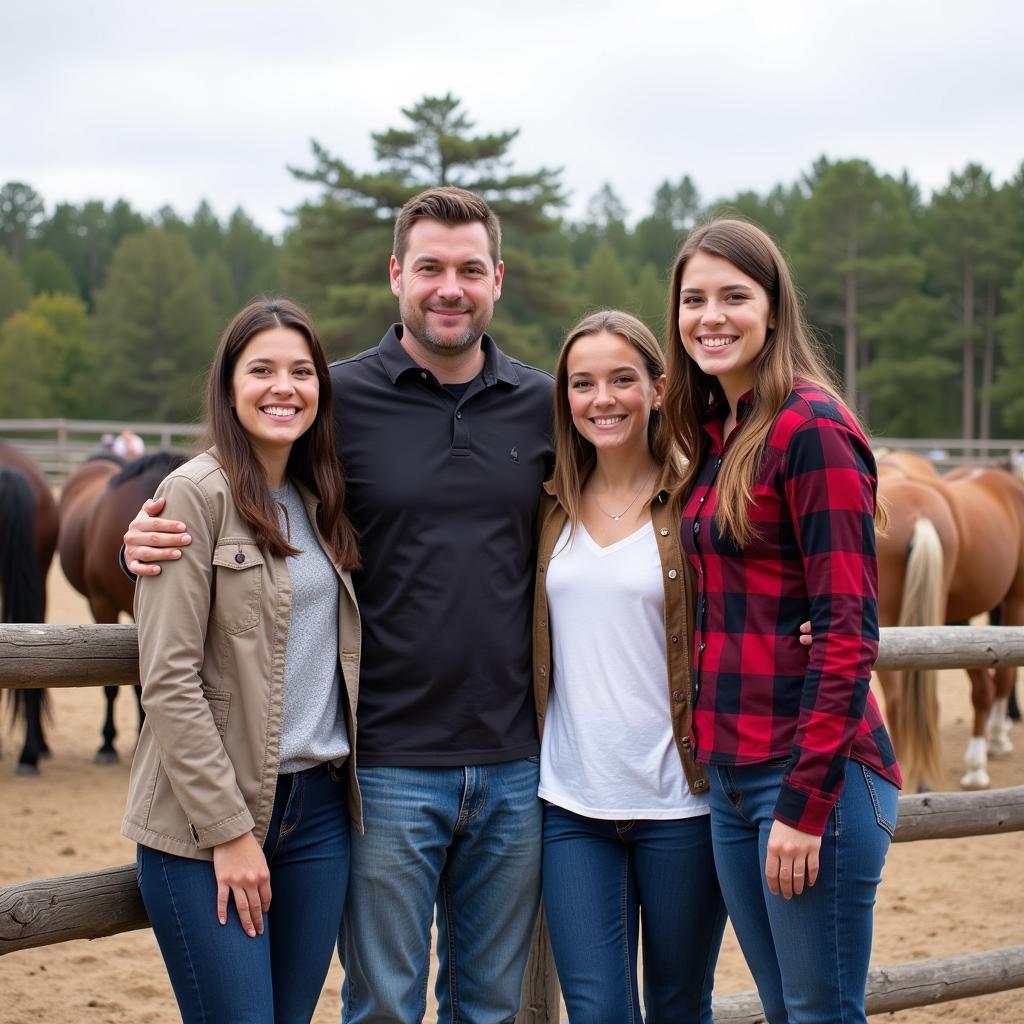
[(923, 604), (21, 582)]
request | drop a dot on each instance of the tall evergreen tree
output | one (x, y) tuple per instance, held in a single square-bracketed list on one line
[(963, 238), (21, 210), (155, 329), (47, 272), (1010, 381), (85, 238), (336, 256), (15, 289), (850, 244)]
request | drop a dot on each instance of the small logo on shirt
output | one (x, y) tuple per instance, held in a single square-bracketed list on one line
[(514, 454)]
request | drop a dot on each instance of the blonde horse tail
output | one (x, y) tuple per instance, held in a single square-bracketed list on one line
[(923, 604)]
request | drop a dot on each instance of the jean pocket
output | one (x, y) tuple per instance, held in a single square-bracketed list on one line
[(884, 799)]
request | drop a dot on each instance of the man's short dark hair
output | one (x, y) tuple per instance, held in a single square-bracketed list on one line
[(451, 206)]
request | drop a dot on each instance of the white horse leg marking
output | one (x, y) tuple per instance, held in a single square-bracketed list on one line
[(976, 762), (999, 743)]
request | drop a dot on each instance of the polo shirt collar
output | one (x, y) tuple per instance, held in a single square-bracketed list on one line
[(397, 362)]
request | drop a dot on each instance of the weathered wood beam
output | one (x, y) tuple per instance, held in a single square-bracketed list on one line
[(95, 655), (950, 647), (84, 906), (954, 815), (106, 902), (916, 983), (540, 999), (50, 655)]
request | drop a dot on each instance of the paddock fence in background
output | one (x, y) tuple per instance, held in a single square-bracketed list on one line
[(58, 445)]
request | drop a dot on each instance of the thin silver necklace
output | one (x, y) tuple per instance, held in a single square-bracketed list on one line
[(645, 485)]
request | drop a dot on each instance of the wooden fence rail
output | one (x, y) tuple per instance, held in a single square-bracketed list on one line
[(103, 655), (106, 902)]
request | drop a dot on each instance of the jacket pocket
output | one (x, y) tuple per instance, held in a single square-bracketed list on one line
[(220, 705), (238, 586)]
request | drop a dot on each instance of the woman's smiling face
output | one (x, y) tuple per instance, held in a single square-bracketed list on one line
[(724, 319)]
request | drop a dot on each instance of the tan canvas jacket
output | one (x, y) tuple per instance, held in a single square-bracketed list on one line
[(679, 623), (213, 628)]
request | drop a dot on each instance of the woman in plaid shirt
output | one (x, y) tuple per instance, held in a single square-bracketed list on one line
[(778, 520)]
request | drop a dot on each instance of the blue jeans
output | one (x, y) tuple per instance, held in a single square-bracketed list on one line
[(602, 880), (808, 955), (217, 972), (467, 839)]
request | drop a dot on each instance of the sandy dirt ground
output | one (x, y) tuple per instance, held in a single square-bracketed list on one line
[(940, 898)]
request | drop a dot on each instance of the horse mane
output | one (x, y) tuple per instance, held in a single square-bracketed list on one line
[(106, 457), (158, 464)]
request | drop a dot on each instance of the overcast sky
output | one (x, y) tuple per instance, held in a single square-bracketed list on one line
[(170, 103)]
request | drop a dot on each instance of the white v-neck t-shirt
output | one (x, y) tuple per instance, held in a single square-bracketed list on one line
[(608, 750)]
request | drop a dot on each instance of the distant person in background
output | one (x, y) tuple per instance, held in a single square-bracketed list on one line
[(128, 445), (107, 443)]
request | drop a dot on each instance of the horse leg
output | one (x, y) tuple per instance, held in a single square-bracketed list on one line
[(107, 754), (104, 611), (976, 755), (998, 726), (31, 708), (1011, 612)]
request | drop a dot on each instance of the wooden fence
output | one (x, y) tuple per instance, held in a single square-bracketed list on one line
[(99, 903), (58, 445)]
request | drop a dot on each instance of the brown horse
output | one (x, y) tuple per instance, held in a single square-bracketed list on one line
[(28, 535), (98, 502), (954, 549)]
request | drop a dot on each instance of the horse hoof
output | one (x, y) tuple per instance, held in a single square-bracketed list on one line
[(27, 769), (106, 757), (976, 778), (1000, 746)]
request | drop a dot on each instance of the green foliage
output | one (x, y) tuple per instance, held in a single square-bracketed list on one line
[(85, 238), (1010, 382), (47, 272), (15, 289), (849, 244), (155, 329), (21, 209), (48, 350), (923, 297), (337, 255)]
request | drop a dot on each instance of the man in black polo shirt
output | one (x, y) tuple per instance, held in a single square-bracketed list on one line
[(445, 442)]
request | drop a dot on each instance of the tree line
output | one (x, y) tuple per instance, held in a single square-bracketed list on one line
[(919, 302)]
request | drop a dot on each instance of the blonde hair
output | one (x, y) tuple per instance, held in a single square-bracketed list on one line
[(574, 454), (790, 353)]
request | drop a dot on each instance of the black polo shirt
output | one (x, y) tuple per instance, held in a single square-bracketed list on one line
[(444, 493)]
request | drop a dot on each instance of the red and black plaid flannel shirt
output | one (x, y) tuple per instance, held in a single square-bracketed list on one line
[(761, 695)]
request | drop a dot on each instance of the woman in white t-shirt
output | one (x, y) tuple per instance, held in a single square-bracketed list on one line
[(627, 846)]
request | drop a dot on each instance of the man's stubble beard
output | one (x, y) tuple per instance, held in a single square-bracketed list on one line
[(415, 321)]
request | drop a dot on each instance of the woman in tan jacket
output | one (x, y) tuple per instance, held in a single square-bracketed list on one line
[(243, 781)]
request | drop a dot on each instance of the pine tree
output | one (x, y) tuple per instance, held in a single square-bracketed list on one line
[(337, 254), (155, 329)]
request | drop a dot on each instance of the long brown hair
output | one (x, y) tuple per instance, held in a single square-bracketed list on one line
[(790, 353), (312, 460), (574, 454)]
